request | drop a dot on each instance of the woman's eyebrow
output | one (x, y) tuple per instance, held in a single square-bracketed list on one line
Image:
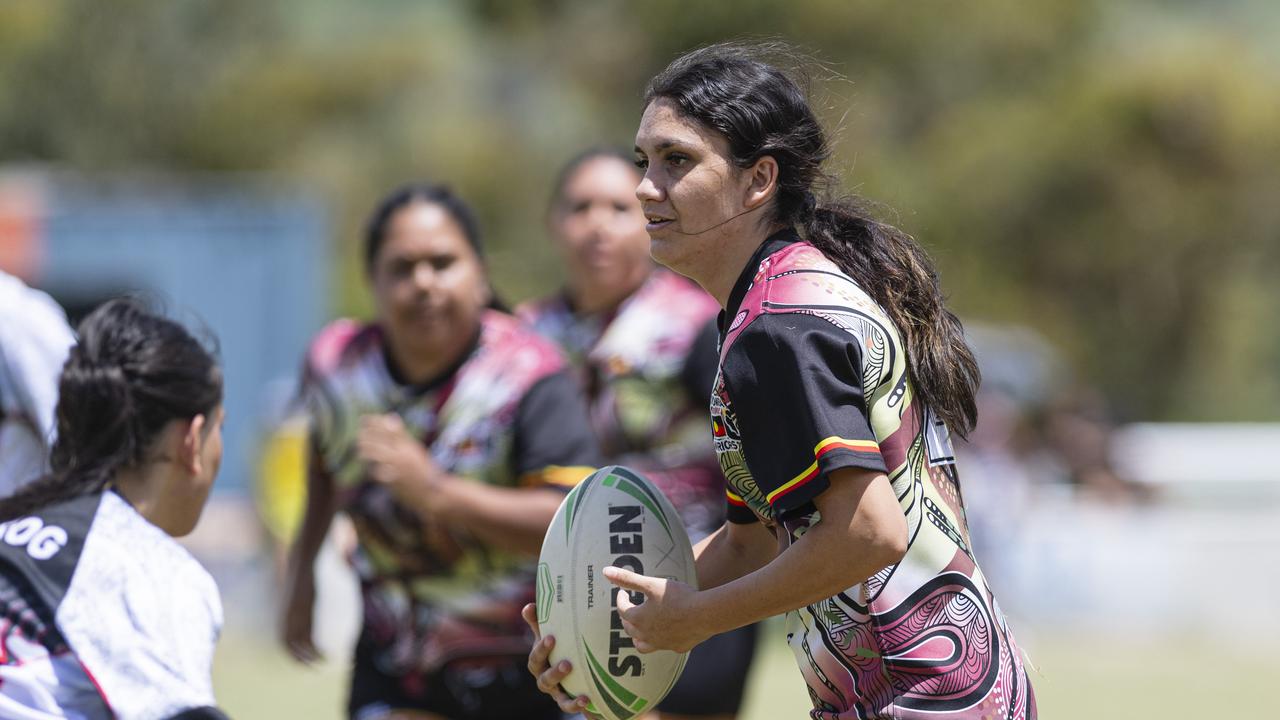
[(662, 145)]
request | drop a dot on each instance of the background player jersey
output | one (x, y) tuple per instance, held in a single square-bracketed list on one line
[(814, 378), (34, 341), (647, 368), (508, 415), (102, 615)]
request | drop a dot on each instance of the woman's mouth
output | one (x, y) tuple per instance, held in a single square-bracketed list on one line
[(656, 222)]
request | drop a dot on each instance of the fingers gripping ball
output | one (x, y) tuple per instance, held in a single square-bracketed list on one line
[(614, 517)]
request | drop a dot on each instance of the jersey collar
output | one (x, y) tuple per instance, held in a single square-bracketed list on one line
[(771, 245)]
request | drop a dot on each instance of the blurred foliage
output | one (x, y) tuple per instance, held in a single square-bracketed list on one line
[(1106, 173)]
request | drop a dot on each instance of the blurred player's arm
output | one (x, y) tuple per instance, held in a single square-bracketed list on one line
[(513, 519), (300, 579), (553, 450)]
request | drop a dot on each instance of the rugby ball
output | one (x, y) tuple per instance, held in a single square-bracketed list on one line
[(614, 517)]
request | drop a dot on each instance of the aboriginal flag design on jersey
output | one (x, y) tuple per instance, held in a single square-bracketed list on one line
[(813, 378)]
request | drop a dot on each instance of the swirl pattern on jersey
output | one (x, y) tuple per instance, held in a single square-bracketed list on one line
[(430, 593), (920, 639)]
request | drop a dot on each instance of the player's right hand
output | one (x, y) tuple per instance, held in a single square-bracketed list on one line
[(295, 625), (549, 677)]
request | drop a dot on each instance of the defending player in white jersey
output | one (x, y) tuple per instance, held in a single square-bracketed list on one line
[(102, 613)]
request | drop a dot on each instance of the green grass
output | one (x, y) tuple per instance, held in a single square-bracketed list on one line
[(1078, 677)]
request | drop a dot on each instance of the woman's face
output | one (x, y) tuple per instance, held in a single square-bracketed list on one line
[(691, 189), (600, 228), (429, 285)]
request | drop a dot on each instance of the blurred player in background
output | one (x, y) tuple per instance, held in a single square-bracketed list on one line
[(841, 374), (644, 342), (34, 340), (102, 613), (447, 432)]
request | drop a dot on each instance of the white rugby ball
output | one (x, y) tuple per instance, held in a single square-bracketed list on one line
[(614, 517)]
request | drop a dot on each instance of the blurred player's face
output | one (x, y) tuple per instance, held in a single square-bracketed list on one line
[(601, 230), (691, 192), (429, 285)]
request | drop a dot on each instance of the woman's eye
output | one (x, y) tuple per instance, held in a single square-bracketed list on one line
[(677, 160), (642, 163)]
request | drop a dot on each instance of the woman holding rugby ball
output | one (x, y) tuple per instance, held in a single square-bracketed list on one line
[(644, 342), (446, 431), (841, 374)]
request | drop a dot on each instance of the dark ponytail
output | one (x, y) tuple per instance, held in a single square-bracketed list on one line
[(892, 267), (131, 373), (761, 110)]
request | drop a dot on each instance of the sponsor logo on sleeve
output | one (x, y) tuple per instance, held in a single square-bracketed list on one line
[(41, 541)]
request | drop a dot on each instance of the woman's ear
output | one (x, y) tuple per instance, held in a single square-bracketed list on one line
[(192, 444), (763, 181)]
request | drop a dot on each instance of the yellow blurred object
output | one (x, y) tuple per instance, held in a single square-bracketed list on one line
[(281, 485)]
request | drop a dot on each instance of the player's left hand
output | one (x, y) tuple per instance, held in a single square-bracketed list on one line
[(666, 620), (396, 459)]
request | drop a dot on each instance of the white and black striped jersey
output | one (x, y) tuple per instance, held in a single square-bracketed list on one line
[(103, 615)]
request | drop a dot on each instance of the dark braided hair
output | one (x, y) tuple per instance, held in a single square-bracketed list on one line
[(131, 373), (762, 110)]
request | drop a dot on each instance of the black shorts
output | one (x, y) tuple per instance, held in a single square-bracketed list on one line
[(470, 689), (715, 676)]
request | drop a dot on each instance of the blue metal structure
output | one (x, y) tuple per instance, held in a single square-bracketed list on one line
[(244, 258)]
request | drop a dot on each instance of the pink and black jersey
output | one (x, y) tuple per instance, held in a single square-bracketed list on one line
[(813, 378), (647, 368), (507, 415)]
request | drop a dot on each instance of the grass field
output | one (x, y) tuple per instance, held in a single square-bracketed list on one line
[(1077, 677)]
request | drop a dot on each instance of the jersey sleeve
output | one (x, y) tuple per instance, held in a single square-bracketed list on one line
[(554, 443), (736, 510), (317, 391), (320, 406), (795, 381)]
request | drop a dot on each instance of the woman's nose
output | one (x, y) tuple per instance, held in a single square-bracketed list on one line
[(648, 190), (424, 276)]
